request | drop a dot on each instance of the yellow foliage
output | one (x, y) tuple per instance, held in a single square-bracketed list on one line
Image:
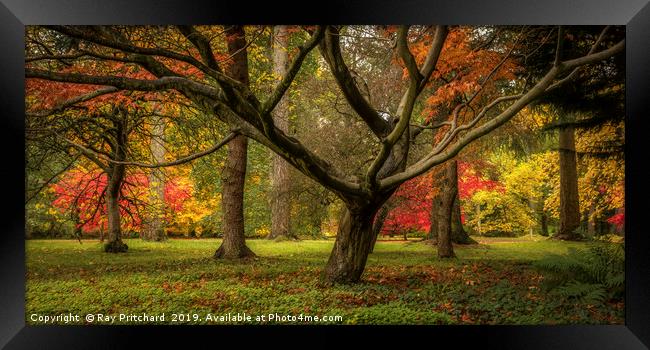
[(262, 231)]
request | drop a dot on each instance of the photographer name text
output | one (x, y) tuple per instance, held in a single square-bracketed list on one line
[(121, 318)]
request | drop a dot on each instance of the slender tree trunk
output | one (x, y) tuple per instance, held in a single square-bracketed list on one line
[(234, 172), (155, 228), (317, 224), (115, 178), (569, 202), (445, 207), (378, 225), (591, 221), (77, 223), (478, 216), (280, 182), (544, 222)]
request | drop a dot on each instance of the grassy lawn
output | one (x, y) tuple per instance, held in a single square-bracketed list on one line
[(404, 283)]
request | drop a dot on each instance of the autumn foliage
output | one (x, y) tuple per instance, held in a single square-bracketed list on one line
[(79, 195)]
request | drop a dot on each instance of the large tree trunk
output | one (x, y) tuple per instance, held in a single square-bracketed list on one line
[(378, 225), (234, 172), (352, 246), (155, 228), (280, 182), (115, 178), (445, 207), (458, 233), (354, 237), (446, 188), (569, 202)]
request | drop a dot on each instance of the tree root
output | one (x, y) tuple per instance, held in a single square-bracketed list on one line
[(116, 247)]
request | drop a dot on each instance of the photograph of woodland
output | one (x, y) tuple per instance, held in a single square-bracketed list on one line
[(385, 174)]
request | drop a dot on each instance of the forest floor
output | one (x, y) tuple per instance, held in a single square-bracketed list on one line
[(493, 282)]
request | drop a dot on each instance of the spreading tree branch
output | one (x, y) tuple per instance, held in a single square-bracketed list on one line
[(442, 154), (331, 50)]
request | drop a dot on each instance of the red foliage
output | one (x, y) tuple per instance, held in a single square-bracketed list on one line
[(83, 191), (176, 194), (618, 220), (45, 94), (414, 198), (472, 179)]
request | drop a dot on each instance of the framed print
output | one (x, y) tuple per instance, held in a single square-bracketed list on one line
[(472, 172)]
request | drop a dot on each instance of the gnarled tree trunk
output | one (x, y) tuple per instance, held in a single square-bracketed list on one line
[(280, 183), (234, 172), (352, 246), (447, 187), (378, 225), (569, 201)]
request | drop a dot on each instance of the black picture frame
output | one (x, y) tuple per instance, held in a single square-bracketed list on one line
[(15, 14)]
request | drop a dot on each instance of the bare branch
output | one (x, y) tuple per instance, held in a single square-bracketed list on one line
[(48, 181), (182, 160), (164, 83), (126, 47), (405, 107), (72, 101), (591, 51), (558, 48), (407, 56), (331, 51), (433, 55), (288, 78), (88, 153), (202, 44), (437, 156)]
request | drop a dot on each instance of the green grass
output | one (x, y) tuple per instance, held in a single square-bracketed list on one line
[(404, 283)]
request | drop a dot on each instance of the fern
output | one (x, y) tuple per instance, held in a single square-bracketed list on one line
[(588, 293), (591, 275)]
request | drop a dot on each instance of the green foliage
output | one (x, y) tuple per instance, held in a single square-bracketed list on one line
[(592, 275), (44, 221), (491, 283), (397, 313)]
